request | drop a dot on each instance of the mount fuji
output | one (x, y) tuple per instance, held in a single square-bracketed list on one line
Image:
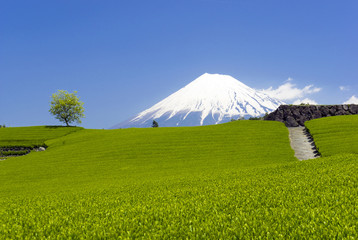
[(209, 99)]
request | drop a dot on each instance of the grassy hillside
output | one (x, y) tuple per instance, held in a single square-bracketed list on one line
[(97, 158), (32, 136), (314, 199), (335, 135), (231, 181)]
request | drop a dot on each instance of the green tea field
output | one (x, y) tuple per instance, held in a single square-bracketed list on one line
[(32, 136), (238, 180), (334, 135)]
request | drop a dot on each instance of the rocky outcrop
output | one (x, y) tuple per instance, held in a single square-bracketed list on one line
[(296, 115)]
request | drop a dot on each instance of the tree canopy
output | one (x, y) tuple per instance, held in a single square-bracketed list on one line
[(155, 124), (67, 107)]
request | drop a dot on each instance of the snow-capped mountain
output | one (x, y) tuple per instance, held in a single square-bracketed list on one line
[(209, 99)]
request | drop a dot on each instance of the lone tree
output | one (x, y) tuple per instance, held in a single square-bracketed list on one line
[(67, 107), (155, 124)]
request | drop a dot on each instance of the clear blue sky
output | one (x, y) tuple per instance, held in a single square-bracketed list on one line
[(124, 56)]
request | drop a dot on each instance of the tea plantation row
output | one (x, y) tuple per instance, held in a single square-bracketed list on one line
[(231, 181), (97, 158), (312, 199), (32, 136), (335, 135)]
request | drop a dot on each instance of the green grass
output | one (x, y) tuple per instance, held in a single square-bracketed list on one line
[(32, 136), (96, 158), (335, 135), (231, 181), (310, 199)]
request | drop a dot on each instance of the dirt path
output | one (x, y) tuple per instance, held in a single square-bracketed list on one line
[(302, 143)]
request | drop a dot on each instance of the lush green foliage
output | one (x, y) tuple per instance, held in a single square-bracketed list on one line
[(119, 156), (67, 107), (314, 199), (155, 124), (256, 118), (14, 153), (32, 136), (236, 180), (335, 135)]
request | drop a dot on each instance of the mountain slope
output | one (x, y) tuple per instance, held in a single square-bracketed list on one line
[(209, 99)]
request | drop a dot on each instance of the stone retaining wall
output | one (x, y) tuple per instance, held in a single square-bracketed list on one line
[(296, 115)]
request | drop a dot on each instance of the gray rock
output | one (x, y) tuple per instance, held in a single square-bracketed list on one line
[(293, 115), (296, 113), (287, 113), (353, 108), (280, 114), (316, 114), (291, 122), (313, 108), (340, 112), (332, 110), (277, 118), (324, 111), (306, 111), (301, 121), (41, 149)]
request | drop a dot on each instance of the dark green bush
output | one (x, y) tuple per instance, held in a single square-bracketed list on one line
[(255, 118), (14, 153)]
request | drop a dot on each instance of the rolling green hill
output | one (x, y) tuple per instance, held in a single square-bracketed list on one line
[(32, 136), (230, 181), (115, 157), (335, 135), (314, 199)]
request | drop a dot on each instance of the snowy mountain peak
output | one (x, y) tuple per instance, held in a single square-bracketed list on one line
[(209, 99), (210, 81)]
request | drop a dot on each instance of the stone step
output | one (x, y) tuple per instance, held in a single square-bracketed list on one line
[(302, 143)]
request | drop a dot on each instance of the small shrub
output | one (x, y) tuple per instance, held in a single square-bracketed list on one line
[(155, 124), (13, 153), (255, 118)]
